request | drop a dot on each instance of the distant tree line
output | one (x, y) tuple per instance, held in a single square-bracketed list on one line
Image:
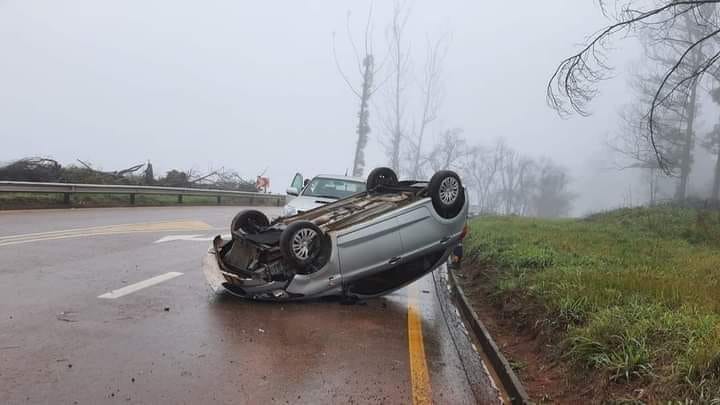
[(39, 169), (499, 179)]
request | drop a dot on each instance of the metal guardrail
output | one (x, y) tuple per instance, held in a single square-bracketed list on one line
[(67, 189)]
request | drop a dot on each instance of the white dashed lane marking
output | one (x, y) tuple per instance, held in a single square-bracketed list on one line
[(139, 286)]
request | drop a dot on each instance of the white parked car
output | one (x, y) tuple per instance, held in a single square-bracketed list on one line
[(319, 191)]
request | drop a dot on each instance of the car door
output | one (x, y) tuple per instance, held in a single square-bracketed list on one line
[(420, 231), (296, 185), (368, 248)]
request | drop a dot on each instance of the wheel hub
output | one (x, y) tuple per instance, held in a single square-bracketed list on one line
[(301, 243), (449, 190)]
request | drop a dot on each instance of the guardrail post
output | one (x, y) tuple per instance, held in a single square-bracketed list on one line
[(219, 200), (132, 199), (66, 198), (179, 199)]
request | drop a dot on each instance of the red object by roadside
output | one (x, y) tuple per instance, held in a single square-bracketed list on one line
[(464, 232), (262, 184)]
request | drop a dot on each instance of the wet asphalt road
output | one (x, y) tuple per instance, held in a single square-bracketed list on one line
[(177, 342)]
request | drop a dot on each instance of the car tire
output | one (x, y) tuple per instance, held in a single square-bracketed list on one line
[(381, 176), (304, 245), (447, 193), (249, 222)]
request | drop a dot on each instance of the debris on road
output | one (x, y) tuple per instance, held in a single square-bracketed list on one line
[(66, 316)]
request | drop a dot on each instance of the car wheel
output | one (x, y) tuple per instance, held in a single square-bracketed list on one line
[(384, 176), (249, 221), (447, 193), (304, 245)]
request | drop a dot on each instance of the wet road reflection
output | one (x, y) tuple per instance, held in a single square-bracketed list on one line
[(177, 342)]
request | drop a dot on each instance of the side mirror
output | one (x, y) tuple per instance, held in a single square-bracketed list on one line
[(292, 191)]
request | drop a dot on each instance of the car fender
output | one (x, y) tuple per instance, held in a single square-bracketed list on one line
[(422, 229), (326, 281)]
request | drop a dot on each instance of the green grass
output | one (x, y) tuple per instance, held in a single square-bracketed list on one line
[(633, 293)]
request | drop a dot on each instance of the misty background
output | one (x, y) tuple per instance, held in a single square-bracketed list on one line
[(253, 86)]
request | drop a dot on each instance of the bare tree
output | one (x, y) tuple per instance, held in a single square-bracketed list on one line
[(514, 172), (432, 97), (400, 61), (672, 137), (526, 186), (652, 176), (222, 178), (551, 198), (148, 175), (408, 131), (32, 169), (449, 151), (674, 119), (367, 70), (480, 168), (115, 174), (712, 144), (506, 182), (686, 31), (574, 83), (500, 177)]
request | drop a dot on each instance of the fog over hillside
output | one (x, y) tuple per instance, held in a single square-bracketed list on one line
[(253, 86)]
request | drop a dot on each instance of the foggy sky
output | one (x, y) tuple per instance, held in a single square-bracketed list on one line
[(252, 85)]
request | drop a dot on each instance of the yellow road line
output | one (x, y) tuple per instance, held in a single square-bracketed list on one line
[(419, 375), (170, 226)]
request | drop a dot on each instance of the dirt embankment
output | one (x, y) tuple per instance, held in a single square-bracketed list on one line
[(534, 351)]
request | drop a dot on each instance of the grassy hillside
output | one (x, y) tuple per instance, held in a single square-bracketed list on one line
[(633, 294)]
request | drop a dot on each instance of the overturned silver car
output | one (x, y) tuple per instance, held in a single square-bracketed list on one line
[(365, 245)]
